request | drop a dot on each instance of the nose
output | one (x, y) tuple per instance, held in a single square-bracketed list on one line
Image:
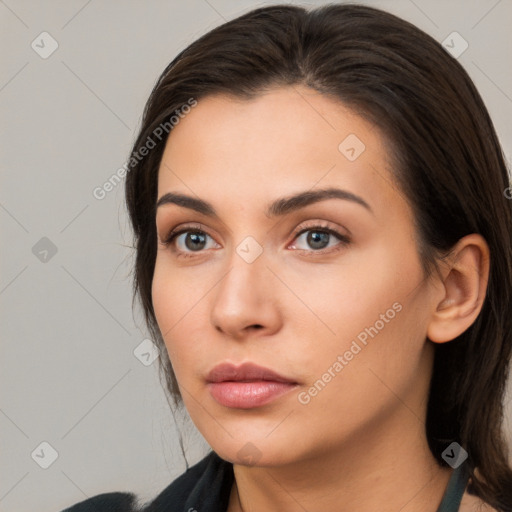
[(246, 300)]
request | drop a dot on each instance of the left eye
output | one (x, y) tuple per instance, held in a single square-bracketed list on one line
[(319, 239)]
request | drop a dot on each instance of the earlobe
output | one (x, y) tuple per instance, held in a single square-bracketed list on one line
[(464, 285)]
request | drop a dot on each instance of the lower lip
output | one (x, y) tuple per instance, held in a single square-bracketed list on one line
[(246, 395)]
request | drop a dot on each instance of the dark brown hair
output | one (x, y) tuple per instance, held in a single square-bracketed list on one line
[(448, 163)]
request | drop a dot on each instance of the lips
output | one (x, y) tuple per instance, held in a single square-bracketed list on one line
[(247, 372), (246, 386)]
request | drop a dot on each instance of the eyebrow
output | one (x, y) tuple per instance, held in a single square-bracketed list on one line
[(278, 207)]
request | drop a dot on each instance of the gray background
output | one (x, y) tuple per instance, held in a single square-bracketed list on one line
[(69, 376)]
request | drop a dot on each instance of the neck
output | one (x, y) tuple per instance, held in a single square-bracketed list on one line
[(374, 470)]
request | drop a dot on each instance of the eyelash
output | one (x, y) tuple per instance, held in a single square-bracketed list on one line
[(344, 240)]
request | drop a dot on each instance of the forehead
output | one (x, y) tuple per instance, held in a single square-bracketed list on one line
[(286, 139), (279, 117)]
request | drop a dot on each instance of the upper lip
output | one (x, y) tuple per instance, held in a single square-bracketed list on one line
[(247, 372)]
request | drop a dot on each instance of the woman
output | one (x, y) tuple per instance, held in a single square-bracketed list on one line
[(323, 256)]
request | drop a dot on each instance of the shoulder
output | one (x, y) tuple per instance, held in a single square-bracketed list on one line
[(208, 482), (108, 502)]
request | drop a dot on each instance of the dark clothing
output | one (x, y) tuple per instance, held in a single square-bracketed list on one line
[(206, 487)]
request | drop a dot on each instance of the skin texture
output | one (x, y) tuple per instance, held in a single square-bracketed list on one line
[(365, 428)]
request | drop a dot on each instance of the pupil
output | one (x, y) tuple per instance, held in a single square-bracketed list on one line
[(316, 237), (194, 237)]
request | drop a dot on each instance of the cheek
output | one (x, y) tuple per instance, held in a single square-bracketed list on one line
[(161, 296), (175, 294), (368, 308), (169, 306), (351, 295), (178, 304)]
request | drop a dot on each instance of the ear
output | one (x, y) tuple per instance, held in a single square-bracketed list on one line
[(464, 285)]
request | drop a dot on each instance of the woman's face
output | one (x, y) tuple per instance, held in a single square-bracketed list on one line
[(342, 317)]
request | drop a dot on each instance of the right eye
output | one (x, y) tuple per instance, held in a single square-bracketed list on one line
[(187, 240)]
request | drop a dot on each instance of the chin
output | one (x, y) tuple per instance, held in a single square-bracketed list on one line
[(258, 453)]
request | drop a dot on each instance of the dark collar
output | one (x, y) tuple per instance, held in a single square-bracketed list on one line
[(204, 487), (455, 489)]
